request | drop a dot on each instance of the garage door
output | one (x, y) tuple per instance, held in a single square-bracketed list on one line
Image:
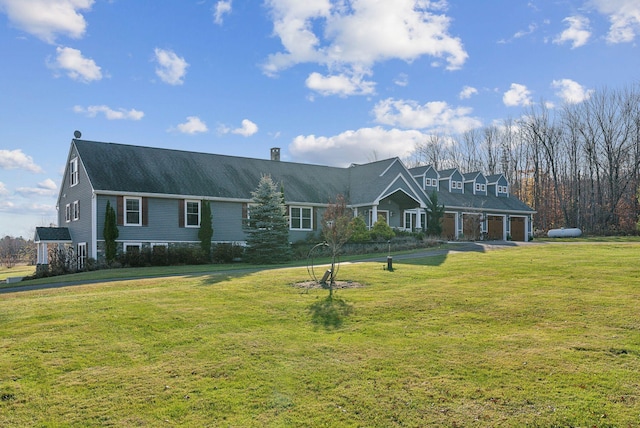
[(449, 226), (495, 227), (517, 228)]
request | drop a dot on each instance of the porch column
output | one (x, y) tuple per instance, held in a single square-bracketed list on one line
[(42, 253), (419, 218), (374, 215)]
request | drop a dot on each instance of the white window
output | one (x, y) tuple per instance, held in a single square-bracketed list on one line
[(130, 247), (300, 218), (481, 187), (192, 213), (82, 255), (457, 185), (76, 210), (67, 213), (133, 211), (73, 172)]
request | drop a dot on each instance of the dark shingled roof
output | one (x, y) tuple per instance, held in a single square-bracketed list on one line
[(52, 234), (124, 168), (479, 202), (136, 169)]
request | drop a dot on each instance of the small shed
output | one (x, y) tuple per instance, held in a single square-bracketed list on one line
[(46, 236)]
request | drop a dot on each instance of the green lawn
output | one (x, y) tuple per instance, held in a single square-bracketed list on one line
[(16, 271), (545, 335)]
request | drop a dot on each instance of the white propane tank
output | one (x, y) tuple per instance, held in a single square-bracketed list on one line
[(571, 232)]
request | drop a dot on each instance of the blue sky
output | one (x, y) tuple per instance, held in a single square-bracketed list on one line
[(328, 81)]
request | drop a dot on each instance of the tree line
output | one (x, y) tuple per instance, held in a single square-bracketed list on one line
[(576, 165)]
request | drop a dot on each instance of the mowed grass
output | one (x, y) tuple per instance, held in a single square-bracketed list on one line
[(16, 271), (543, 335)]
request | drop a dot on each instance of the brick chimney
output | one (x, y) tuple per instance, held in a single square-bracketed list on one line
[(275, 153)]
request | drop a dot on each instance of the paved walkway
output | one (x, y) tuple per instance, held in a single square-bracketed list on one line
[(452, 247)]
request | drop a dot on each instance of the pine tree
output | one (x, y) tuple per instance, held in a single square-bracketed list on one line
[(267, 227), (110, 233), (206, 230), (435, 213)]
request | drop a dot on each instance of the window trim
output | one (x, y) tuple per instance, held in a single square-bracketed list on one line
[(67, 213), (300, 218), (131, 244), (81, 255), (125, 220), (186, 212), (76, 211), (74, 177)]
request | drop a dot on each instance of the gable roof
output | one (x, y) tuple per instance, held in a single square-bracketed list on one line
[(52, 234), (121, 168)]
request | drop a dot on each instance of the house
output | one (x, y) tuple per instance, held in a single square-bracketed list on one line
[(158, 194)]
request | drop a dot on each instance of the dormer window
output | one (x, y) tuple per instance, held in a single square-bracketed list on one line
[(456, 184), (430, 182), (481, 187)]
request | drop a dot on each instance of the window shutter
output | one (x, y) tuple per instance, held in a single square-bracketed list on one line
[(314, 219), (181, 213), (120, 209), (145, 211)]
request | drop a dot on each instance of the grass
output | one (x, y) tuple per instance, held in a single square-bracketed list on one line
[(542, 336), (16, 271)]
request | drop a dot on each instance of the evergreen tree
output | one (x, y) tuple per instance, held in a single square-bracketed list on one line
[(267, 227), (381, 230), (359, 231), (110, 233), (206, 230), (435, 214)]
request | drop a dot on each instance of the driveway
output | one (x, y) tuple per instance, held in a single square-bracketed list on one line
[(453, 247)]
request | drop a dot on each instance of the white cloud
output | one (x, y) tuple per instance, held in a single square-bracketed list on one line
[(46, 19), (193, 125), (171, 68), (77, 66), (578, 32), (517, 95), (435, 116), (624, 16), (247, 129), (359, 146), (220, 9), (340, 84), (530, 30), (571, 92), (45, 188), (3, 189), (467, 92), (15, 159), (6, 205), (350, 37), (402, 79), (109, 113)]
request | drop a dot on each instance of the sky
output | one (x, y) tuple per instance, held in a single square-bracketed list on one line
[(330, 82)]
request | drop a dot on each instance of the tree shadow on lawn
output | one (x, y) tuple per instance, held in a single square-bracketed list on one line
[(330, 312)]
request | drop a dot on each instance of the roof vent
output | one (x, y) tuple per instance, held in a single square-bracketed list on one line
[(275, 153)]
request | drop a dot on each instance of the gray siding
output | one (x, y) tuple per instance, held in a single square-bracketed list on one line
[(80, 229), (227, 222)]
